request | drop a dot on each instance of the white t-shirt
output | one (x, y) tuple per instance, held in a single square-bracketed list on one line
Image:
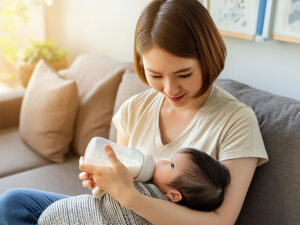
[(224, 127)]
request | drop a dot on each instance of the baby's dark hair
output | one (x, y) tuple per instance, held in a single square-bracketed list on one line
[(202, 184)]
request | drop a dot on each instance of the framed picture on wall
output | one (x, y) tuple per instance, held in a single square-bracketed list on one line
[(205, 3), (241, 18), (286, 25)]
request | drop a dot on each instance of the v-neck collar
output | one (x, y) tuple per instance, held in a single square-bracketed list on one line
[(184, 131)]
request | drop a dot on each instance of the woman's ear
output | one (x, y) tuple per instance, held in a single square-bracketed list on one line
[(173, 195)]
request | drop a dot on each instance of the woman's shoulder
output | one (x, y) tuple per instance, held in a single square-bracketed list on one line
[(225, 97), (221, 104), (221, 100)]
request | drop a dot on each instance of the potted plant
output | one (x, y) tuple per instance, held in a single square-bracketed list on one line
[(33, 52)]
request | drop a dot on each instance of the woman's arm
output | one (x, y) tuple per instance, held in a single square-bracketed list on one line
[(121, 140), (163, 212), (116, 180)]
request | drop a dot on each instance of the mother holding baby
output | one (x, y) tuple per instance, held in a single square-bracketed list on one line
[(179, 53)]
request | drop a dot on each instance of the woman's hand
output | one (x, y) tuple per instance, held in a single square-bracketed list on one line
[(87, 180), (115, 179)]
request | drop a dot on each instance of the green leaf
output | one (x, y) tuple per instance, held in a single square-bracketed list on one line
[(36, 50)]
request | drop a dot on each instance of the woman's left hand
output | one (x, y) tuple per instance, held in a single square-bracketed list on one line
[(115, 179)]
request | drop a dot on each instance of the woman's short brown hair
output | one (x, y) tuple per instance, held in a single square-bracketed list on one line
[(183, 28)]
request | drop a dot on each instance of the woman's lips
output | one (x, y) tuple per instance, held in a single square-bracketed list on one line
[(177, 99)]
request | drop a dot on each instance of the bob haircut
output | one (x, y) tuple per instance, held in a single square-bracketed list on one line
[(183, 28)]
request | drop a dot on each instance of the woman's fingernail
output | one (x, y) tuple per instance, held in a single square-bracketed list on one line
[(107, 149)]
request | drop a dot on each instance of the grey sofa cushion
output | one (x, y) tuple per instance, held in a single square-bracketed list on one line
[(15, 155), (273, 197), (59, 178)]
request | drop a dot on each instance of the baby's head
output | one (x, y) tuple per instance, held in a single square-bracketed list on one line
[(193, 179)]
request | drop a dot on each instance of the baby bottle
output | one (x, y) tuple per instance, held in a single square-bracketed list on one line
[(140, 166)]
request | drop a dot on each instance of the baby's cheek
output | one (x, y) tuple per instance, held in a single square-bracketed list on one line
[(155, 176)]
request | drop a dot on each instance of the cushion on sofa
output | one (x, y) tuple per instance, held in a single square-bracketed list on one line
[(48, 113), (59, 178), (98, 79), (16, 156), (129, 86), (273, 195)]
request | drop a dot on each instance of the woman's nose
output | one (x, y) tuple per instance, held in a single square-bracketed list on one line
[(171, 87)]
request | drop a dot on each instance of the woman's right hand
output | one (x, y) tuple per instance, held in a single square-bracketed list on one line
[(87, 179), (114, 179)]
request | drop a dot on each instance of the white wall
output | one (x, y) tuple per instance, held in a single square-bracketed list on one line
[(100, 26), (271, 65), (107, 27)]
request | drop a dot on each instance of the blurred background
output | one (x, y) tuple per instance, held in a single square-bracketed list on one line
[(71, 27)]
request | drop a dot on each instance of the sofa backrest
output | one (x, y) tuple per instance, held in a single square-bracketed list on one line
[(10, 105)]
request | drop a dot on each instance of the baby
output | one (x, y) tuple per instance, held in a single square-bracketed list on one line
[(190, 178)]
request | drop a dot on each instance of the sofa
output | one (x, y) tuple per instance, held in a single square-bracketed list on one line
[(32, 156)]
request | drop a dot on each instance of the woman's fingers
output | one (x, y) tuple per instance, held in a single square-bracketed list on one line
[(86, 177), (108, 178), (88, 184), (111, 155), (89, 168), (81, 160), (83, 176)]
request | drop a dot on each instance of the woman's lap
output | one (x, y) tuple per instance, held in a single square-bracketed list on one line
[(24, 206)]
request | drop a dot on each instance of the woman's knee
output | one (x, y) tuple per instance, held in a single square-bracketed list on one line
[(16, 207), (23, 204), (11, 199)]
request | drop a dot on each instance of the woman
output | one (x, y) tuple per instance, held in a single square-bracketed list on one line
[(179, 53)]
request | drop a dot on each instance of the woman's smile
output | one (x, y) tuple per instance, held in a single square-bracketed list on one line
[(177, 99)]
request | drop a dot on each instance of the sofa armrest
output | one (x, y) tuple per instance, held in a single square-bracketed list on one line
[(10, 105)]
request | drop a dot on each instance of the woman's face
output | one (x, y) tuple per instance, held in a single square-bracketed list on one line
[(178, 79), (167, 170)]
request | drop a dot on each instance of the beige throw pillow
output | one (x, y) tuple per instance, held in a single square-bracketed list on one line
[(48, 113), (130, 85), (98, 79)]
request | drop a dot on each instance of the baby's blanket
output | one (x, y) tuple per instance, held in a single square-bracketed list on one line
[(87, 210)]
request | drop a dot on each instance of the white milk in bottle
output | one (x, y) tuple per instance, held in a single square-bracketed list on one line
[(140, 166)]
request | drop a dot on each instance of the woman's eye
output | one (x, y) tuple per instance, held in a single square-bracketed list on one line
[(156, 76), (172, 165), (185, 75)]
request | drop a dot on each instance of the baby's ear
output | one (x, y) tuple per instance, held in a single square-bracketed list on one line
[(173, 195)]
